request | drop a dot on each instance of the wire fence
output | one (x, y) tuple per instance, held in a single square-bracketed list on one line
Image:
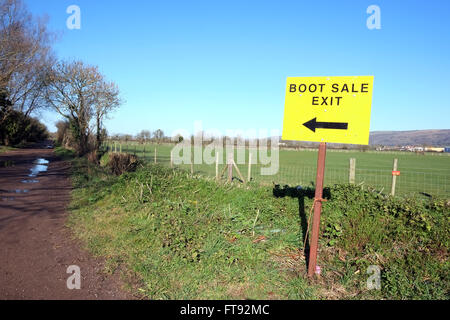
[(390, 152), (410, 182)]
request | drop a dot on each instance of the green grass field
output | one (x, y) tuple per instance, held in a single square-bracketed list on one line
[(429, 173), (177, 236)]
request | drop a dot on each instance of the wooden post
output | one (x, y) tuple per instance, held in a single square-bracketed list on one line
[(121, 148), (115, 146), (249, 175), (230, 167), (217, 166), (171, 158), (352, 172), (155, 156), (317, 209), (192, 163), (143, 153), (394, 177), (238, 171)]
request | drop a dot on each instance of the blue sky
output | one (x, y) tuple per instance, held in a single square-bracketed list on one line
[(226, 62)]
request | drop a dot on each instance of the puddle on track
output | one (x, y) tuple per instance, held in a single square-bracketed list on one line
[(30, 181), (41, 161), (16, 191), (19, 191), (38, 168), (40, 165)]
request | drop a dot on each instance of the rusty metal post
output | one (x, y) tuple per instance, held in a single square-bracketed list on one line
[(317, 209)]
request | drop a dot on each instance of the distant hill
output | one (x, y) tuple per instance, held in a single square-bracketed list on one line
[(416, 137)]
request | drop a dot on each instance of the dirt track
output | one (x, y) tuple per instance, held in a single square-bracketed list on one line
[(35, 246)]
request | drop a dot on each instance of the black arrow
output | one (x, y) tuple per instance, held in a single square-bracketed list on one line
[(313, 125)]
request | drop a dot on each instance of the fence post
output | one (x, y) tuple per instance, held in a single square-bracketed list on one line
[(230, 167), (217, 166), (155, 156), (249, 175), (121, 148), (192, 163), (171, 158), (352, 173), (394, 177), (115, 146)]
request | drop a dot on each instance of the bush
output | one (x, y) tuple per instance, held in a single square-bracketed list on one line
[(120, 163), (93, 157), (66, 136), (63, 135), (17, 128)]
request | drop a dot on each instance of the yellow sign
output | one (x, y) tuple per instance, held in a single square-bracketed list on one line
[(328, 109)]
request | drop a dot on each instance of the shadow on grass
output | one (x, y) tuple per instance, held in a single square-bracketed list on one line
[(300, 194)]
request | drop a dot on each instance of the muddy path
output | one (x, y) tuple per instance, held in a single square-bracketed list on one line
[(36, 247)]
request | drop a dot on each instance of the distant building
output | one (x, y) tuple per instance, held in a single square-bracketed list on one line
[(447, 149)]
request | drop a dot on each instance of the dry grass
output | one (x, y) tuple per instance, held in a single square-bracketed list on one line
[(120, 163)]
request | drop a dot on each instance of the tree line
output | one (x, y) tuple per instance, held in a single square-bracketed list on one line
[(32, 79), (144, 136)]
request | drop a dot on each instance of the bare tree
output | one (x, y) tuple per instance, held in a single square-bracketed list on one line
[(115, 137), (127, 137), (107, 100), (140, 137), (146, 134), (158, 135), (25, 54), (79, 93), (143, 136), (26, 88)]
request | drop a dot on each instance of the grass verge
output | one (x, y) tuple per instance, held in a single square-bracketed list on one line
[(189, 237), (63, 153), (5, 149)]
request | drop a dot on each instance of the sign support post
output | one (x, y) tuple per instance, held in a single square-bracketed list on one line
[(327, 110), (317, 209)]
